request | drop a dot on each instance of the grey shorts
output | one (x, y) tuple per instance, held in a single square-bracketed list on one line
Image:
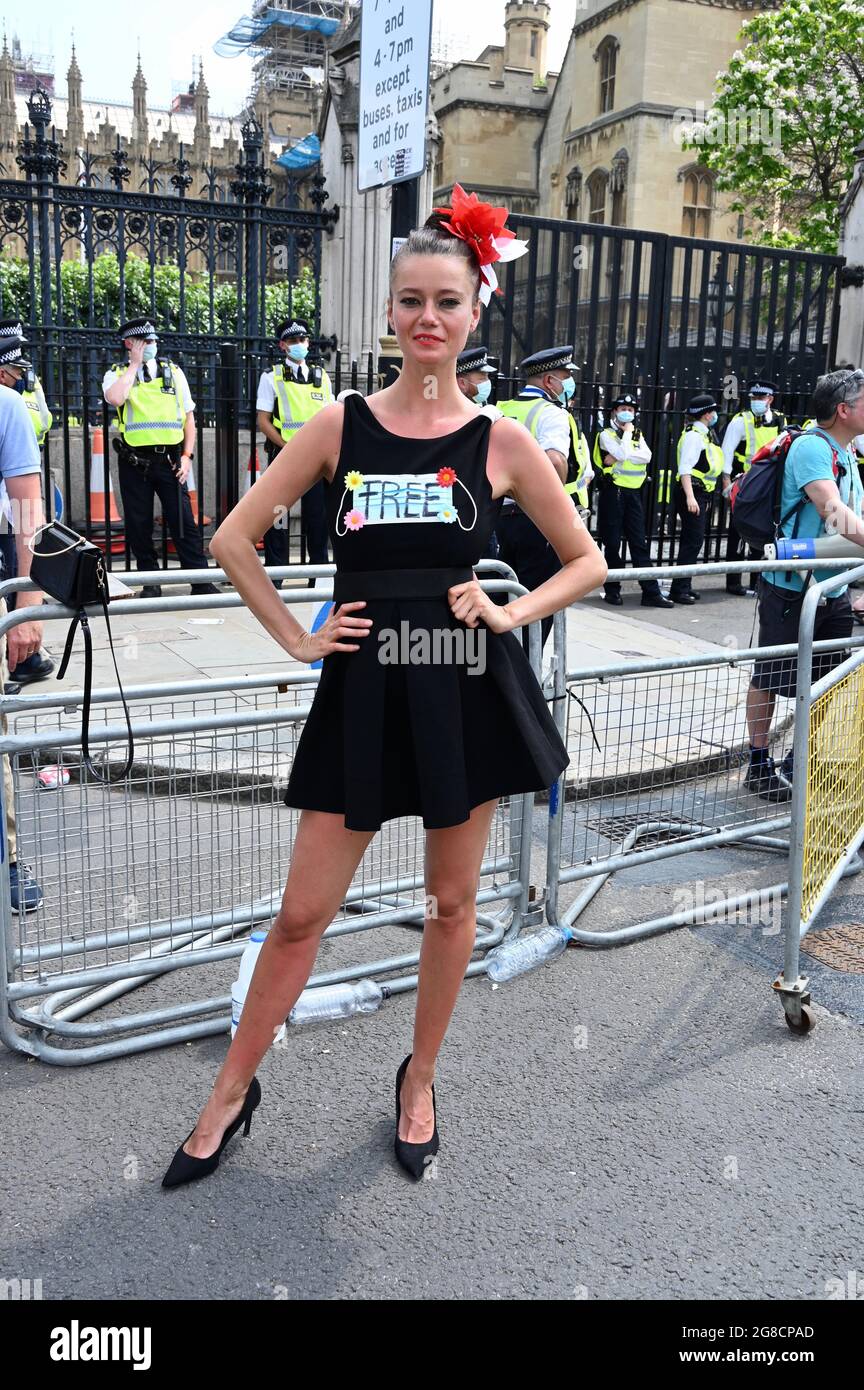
[(779, 617)]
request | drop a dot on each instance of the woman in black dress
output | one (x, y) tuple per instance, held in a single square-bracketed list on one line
[(415, 479)]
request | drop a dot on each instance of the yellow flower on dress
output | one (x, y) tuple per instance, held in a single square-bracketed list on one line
[(353, 479)]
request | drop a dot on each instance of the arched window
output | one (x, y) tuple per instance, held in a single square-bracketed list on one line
[(439, 162), (573, 193), (597, 186), (606, 56), (698, 202), (618, 185)]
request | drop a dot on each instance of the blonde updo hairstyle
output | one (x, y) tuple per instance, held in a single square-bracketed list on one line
[(433, 239)]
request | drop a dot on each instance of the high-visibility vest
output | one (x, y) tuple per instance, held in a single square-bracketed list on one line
[(40, 416), (153, 412), (582, 457), (528, 410), (626, 472), (708, 466), (297, 400), (755, 435), (809, 425)]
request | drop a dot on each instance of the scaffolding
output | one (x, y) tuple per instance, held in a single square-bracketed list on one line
[(288, 40)]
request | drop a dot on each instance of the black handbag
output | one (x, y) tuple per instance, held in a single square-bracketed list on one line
[(72, 570)]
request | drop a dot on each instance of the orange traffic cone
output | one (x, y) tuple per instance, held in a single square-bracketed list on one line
[(98, 516), (253, 472), (193, 497)]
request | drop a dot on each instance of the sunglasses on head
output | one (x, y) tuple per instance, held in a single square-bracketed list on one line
[(855, 379)]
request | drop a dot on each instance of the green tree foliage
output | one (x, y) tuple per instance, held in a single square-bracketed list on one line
[(799, 80), (280, 299)]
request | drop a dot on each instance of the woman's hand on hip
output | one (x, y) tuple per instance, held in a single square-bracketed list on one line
[(342, 631), (471, 605)]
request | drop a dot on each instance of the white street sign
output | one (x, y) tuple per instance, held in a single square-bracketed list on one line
[(395, 44)]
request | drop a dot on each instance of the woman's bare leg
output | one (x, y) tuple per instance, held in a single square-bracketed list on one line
[(453, 859), (323, 863)]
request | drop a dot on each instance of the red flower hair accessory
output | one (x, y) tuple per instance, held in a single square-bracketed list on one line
[(481, 226)]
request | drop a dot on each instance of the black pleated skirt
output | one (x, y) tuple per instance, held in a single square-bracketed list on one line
[(431, 739)]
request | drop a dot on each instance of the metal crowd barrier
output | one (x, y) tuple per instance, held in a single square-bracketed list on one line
[(827, 804), (168, 869), (658, 750), (165, 870)]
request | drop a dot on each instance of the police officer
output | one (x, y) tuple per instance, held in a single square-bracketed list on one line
[(32, 393), (745, 434), (621, 459), (700, 465), (289, 395), (541, 408), (155, 416), (16, 372), (474, 374)]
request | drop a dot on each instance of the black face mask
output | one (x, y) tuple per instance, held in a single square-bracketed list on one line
[(20, 386)]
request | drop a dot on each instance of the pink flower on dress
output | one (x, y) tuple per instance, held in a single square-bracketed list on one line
[(445, 477), (355, 519)]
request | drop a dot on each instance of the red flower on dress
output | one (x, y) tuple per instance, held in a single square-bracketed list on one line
[(446, 476)]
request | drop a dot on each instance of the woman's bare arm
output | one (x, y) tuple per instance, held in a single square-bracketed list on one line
[(296, 468), (534, 484)]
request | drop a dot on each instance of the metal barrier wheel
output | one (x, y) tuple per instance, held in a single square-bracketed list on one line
[(805, 1024)]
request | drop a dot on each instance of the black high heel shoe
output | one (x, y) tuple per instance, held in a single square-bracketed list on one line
[(185, 1168), (414, 1157)]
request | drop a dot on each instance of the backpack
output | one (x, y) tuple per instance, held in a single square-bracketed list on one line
[(756, 495)]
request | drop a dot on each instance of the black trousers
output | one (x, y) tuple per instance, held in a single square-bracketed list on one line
[(313, 514), (137, 491), (692, 533), (313, 518), (621, 515), (527, 551)]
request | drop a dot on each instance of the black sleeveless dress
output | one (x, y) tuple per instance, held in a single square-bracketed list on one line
[(429, 717)]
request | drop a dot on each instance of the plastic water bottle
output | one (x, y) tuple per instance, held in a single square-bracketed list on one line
[(337, 1001), (526, 953), (248, 961)]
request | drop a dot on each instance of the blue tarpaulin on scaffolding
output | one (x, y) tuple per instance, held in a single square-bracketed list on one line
[(302, 155), (247, 30)]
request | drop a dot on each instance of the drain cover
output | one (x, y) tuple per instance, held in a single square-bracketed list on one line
[(618, 827), (840, 947)]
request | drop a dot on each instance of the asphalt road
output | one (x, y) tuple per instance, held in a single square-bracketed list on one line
[(628, 1123)]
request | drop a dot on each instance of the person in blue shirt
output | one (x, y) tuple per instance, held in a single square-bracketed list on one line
[(21, 471), (820, 481), (14, 366)]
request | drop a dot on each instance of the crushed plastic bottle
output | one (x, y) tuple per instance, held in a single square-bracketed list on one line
[(248, 961), (526, 953), (337, 1001), (53, 776)]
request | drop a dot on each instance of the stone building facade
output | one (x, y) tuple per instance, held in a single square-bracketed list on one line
[(150, 137), (601, 141)]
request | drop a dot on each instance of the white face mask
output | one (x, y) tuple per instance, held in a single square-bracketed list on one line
[(482, 391), (150, 350)]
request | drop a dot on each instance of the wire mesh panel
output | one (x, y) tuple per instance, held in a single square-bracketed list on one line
[(834, 817), (668, 748), (169, 867)]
